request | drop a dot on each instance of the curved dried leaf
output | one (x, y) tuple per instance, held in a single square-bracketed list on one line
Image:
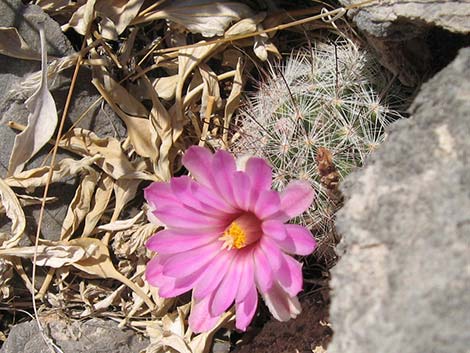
[(12, 44), (99, 264), (128, 109), (48, 255), (42, 120), (14, 212), (201, 16), (104, 190), (166, 87), (233, 100), (80, 205), (39, 176), (110, 156)]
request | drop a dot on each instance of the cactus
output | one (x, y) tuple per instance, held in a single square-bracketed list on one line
[(318, 117)]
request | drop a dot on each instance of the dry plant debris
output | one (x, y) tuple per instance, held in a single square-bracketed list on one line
[(174, 72)]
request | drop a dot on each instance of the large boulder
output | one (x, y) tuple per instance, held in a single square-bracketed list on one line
[(414, 38), (402, 284)]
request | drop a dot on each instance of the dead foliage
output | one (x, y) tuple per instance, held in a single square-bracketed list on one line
[(174, 73)]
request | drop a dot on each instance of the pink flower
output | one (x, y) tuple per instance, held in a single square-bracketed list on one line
[(226, 238)]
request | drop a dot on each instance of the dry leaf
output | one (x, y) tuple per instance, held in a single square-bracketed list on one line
[(82, 18), (38, 176), (128, 109), (26, 200), (102, 196), (14, 212), (162, 126), (12, 44), (233, 100), (42, 120), (49, 255), (99, 264), (210, 88), (80, 205), (201, 16), (122, 224), (188, 59), (165, 87), (110, 156), (247, 25)]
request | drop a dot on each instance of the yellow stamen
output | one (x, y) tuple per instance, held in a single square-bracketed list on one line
[(234, 237)]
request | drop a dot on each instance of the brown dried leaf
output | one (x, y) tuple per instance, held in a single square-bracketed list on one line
[(12, 44), (42, 120), (56, 254), (99, 264), (14, 212), (202, 343), (111, 158), (188, 60), (210, 88), (38, 176), (80, 205), (129, 109), (166, 87), (121, 225), (103, 193), (233, 100), (201, 16), (163, 126)]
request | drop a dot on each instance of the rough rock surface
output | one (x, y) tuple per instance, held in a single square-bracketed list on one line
[(414, 38), (93, 336), (402, 284), (13, 71)]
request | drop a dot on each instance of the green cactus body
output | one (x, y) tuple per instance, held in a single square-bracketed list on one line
[(336, 97)]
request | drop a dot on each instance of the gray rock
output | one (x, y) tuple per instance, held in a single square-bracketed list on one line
[(414, 38), (402, 284), (93, 336)]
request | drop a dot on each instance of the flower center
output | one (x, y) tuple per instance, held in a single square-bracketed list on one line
[(243, 231)]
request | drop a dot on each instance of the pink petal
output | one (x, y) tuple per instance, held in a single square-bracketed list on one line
[(182, 264), (273, 253), (274, 229), (267, 204), (183, 218), (299, 240), (248, 274), (289, 275), (198, 160), (200, 319), (280, 304), (216, 272), (260, 173), (170, 241), (241, 190), (183, 191), (223, 168), (180, 285), (246, 309), (159, 195), (207, 196), (263, 272), (225, 294), (296, 198)]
